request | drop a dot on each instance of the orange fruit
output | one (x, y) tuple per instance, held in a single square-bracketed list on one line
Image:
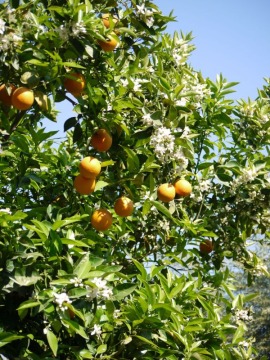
[(101, 140), (166, 192), (123, 206), (22, 98), (6, 94), (101, 219), (75, 83), (109, 44), (83, 185), (106, 20), (206, 246), (183, 187), (90, 167)]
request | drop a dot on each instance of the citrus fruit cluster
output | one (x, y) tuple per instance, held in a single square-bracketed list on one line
[(102, 218), (166, 192), (111, 42), (21, 98), (85, 183)]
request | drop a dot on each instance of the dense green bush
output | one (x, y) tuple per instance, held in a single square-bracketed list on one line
[(141, 289)]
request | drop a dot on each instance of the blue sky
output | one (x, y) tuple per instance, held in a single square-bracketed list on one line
[(231, 37)]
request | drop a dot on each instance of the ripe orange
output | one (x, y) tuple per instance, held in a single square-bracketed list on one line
[(83, 185), (101, 219), (206, 246), (6, 94), (90, 167), (75, 83), (22, 98), (183, 187), (123, 206), (109, 44), (101, 140), (106, 20), (166, 192)]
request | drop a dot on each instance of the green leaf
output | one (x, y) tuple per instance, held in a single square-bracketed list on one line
[(83, 267), (101, 349), (164, 83), (74, 326), (141, 268), (53, 342), (110, 268), (28, 304), (123, 290), (148, 342), (78, 133), (133, 162), (162, 208), (86, 354), (69, 123), (250, 297), (67, 221), (25, 280), (100, 185), (193, 328), (7, 337), (238, 336)]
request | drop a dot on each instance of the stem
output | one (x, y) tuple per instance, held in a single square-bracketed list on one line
[(200, 209), (200, 152), (70, 100)]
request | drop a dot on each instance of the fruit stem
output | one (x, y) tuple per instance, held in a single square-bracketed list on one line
[(200, 209)]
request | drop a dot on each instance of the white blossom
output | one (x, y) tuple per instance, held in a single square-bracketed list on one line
[(2, 26), (145, 14), (124, 82), (100, 283), (97, 330), (91, 292), (63, 32), (181, 102), (100, 290), (78, 29), (6, 210), (61, 300), (141, 9), (243, 315), (205, 185), (77, 282), (106, 293), (149, 21), (247, 175), (163, 142), (185, 132), (147, 120)]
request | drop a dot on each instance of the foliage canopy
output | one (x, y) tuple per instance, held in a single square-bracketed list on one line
[(140, 289)]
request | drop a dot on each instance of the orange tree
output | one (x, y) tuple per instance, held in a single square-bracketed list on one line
[(140, 288)]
